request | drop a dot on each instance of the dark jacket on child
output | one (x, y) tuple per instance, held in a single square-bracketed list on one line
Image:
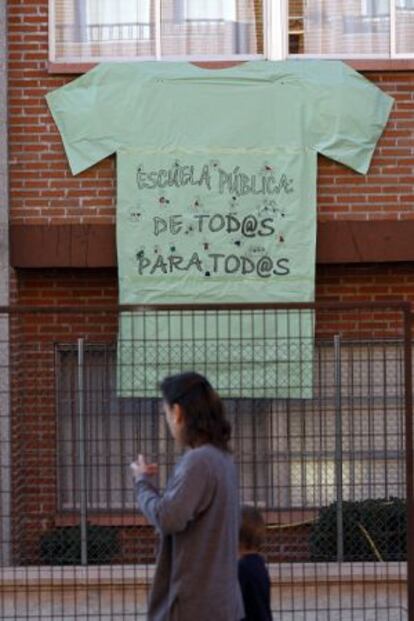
[(255, 587)]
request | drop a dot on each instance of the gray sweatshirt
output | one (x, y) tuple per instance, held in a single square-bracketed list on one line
[(198, 520)]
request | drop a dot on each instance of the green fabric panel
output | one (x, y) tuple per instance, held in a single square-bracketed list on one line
[(266, 118), (217, 226), (323, 105), (238, 225), (246, 354)]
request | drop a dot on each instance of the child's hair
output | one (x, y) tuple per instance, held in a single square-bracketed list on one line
[(203, 409), (252, 528)]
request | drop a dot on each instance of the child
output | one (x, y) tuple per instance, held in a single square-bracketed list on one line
[(197, 515), (253, 576)]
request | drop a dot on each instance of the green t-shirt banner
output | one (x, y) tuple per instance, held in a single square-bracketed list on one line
[(222, 226), (216, 203), (226, 226)]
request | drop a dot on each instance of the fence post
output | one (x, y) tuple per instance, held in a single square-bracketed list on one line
[(409, 458), (338, 451), (5, 445), (81, 454)]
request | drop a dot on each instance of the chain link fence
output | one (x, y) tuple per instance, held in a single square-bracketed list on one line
[(319, 397)]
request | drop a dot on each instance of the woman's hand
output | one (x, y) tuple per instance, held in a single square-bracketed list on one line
[(140, 467)]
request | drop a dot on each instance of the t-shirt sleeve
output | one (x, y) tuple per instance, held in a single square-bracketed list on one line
[(88, 113), (349, 114)]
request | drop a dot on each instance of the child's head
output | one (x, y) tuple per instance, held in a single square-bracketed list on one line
[(252, 529), (195, 412)]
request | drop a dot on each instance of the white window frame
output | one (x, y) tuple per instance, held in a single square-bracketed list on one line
[(280, 22), (158, 47), (275, 36)]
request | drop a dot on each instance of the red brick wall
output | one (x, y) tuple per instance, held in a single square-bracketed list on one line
[(33, 373), (86, 287), (43, 189), (387, 191), (62, 287), (374, 282)]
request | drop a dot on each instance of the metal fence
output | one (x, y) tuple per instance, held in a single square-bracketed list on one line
[(320, 401)]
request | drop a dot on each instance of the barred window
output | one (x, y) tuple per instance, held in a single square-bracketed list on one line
[(289, 452)]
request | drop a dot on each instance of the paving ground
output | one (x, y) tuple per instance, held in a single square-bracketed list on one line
[(356, 604), (308, 592)]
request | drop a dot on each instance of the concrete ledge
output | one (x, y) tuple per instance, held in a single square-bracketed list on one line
[(141, 575), (91, 246)]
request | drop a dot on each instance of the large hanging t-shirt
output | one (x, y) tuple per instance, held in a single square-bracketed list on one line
[(216, 204)]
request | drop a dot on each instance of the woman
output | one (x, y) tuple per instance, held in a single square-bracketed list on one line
[(197, 516)]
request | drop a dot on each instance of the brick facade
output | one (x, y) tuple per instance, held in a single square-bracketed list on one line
[(43, 191)]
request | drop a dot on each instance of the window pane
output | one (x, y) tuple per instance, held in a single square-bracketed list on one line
[(211, 27), (369, 432), (114, 431), (103, 28), (358, 27), (314, 482), (405, 26), (93, 29)]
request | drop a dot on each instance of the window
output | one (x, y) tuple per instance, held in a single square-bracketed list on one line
[(354, 29), (404, 27), (111, 431), (95, 30), (115, 430), (407, 5), (375, 8), (92, 30), (286, 450)]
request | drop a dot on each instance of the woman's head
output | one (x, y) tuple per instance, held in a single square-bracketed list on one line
[(194, 411)]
